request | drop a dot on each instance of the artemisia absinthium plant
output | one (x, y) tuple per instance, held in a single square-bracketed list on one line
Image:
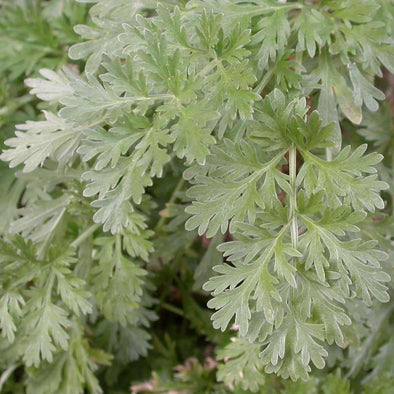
[(33, 35), (248, 99)]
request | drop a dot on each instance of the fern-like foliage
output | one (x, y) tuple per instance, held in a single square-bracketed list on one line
[(291, 266), (245, 98)]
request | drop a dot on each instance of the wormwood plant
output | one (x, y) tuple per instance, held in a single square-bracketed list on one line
[(219, 119), (33, 35)]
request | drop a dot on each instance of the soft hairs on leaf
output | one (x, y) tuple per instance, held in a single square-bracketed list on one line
[(273, 266), (196, 159)]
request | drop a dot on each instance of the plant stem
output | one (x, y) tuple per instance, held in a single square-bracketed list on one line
[(170, 201), (293, 196), (172, 308), (328, 154), (268, 75), (46, 244), (86, 234), (208, 67), (6, 374)]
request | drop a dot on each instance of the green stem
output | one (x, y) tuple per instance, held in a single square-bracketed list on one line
[(6, 374), (46, 244), (49, 287), (170, 201), (172, 308), (211, 65), (268, 75), (293, 195), (328, 154), (86, 234)]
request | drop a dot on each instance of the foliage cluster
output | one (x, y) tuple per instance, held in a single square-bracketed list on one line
[(235, 154)]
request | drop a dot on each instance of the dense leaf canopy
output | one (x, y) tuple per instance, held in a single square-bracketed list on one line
[(210, 151)]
